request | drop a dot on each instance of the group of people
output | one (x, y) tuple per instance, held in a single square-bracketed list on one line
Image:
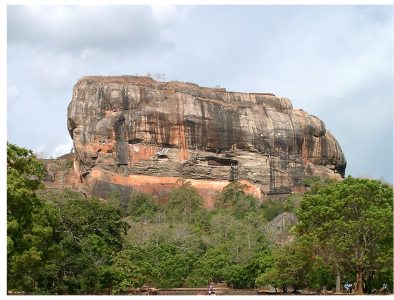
[(348, 288)]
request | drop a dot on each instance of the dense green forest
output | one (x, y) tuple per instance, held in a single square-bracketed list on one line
[(63, 243)]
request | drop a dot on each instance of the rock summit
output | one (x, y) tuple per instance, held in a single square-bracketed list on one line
[(133, 133)]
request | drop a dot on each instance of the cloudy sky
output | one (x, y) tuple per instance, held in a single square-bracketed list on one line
[(335, 62)]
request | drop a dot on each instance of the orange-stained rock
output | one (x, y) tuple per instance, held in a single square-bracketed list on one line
[(135, 134), (163, 185)]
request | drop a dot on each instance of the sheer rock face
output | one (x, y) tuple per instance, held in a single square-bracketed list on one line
[(139, 134)]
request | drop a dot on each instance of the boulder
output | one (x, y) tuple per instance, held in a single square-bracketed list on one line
[(138, 134)]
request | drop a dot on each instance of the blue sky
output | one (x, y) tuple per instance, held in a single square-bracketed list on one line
[(335, 62)]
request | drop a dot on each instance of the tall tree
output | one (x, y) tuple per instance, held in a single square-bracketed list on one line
[(234, 200), (30, 222), (129, 269), (185, 203), (212, 266), (90, 232), (172, 266), (291, 268), (350, 224)]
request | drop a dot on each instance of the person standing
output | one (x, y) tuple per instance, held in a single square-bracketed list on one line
[(210, 289), (350, 288), (385, 288)]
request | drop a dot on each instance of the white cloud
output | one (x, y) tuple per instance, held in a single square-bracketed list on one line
[(39, 151), (165, 14), (74, 28), (62, 149), (52, 71), (335, 62), (12, 96)]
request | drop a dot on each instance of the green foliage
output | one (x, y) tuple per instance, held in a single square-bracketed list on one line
[(90, 232), (67, 244), (185, 204), (271, 209), (245, 276), (233, 200), (349, 223), (114, 198), (212, 266), (66, 165), (221, 227), (310, 181), (82, 218), (316, 184), (128, 270), (291, 268), (321, 274), (237, 276), (142, 207), (30, 222), (172, 266), (111, 277), (293, 203), (273, 277), (117, 199)]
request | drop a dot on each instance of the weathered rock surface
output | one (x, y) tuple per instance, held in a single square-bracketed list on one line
[(278, 229), (61, 173), (134, 133)]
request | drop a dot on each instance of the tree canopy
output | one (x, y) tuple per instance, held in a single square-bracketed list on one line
[(66, 243), (349, 224), (30, 221)]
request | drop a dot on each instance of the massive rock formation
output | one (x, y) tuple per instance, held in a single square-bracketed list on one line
[(136, 134)]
